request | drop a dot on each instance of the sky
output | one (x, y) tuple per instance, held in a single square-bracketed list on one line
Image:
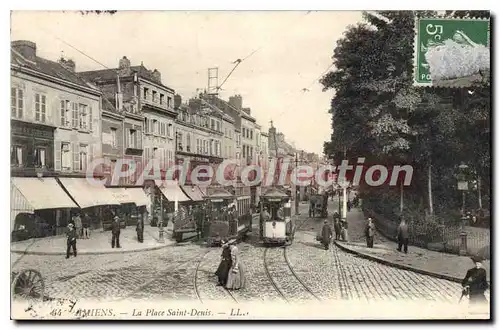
[(292, 50)]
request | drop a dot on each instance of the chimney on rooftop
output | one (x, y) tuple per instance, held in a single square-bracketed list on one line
[(157, 75), (177, 101), (246, 110), (26, 48), (236, 101), (124, 66), (67, 64)]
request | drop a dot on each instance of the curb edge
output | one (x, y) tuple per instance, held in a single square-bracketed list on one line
[(396, 265), (88, 252)]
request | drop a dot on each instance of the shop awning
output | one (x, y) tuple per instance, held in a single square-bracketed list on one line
[(121, 195), (193, 192), (87, 194), (29, 194), (138, 196), (172, 192)]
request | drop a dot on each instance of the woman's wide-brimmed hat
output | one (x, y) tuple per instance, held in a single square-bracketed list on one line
[(232, 241), (70, 225), (476, 258)]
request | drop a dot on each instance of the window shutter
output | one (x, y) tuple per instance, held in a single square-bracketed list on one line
[(90, 154), (57, 156), (90, 118), (151, 126), (138, 137), (76, 156)]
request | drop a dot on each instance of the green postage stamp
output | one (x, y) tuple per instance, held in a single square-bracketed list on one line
[(451, 52)]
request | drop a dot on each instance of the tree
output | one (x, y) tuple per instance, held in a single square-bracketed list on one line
[(378, 114)]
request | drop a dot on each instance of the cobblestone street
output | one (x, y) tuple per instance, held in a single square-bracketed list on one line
[(301, 272)]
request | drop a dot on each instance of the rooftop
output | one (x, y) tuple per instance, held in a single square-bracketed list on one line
[(50, 68)]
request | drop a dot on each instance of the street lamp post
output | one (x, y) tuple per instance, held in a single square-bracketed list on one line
[(463, 186)]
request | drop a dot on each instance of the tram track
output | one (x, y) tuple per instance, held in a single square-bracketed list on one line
[(197, 286)]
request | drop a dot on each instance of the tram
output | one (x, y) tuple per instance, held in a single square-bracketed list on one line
[(276, 223), (227, 216)]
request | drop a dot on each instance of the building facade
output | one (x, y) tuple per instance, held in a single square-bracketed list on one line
[(147, 108), (55, 116), (199, 135), (55, 134)]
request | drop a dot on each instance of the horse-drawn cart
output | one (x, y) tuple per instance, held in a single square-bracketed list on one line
[(27, 284)]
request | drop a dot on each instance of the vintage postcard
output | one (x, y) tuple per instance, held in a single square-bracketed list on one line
[(250, 165)]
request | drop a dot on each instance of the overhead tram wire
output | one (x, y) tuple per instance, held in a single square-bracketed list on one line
[(239, 61), (68, 44)]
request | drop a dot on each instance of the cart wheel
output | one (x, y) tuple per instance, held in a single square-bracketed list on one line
[(28, 284)]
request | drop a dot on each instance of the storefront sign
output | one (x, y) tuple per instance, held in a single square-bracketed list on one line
[(27, 129)]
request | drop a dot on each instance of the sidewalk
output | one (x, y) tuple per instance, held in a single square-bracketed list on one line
[(98, 243), (442, 265)]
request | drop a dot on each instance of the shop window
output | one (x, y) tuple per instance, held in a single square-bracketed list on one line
[(39, 157), (16, 155)]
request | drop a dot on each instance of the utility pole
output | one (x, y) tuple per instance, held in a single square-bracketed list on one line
[(296, 185), (344, 213)]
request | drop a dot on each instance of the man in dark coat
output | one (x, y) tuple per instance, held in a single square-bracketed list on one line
[(115, 232), (326, 235), (402, 235), (338, 228), (71, 242), (140, 231), (225, 264), (475, 282)]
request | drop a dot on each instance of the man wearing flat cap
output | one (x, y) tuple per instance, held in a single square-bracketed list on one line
[(475, 282), (71, 241)]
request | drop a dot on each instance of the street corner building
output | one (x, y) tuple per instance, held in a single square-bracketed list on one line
[(55, 125)]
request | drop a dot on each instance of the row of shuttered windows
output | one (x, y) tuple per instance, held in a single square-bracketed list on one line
[(70, 114)]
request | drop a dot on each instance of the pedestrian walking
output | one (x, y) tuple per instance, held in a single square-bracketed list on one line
[(71, 240), (115, 232), (78, 225), (338, 228), (475, 283), (225, 264), (86, 226), (140, 231), (236, 275), (402, 235), (370, 233), (326, 235), (349, 206), (344, 235)]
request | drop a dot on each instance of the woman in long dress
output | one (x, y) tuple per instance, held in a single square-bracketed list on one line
[(225, 264), (236, 277)]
